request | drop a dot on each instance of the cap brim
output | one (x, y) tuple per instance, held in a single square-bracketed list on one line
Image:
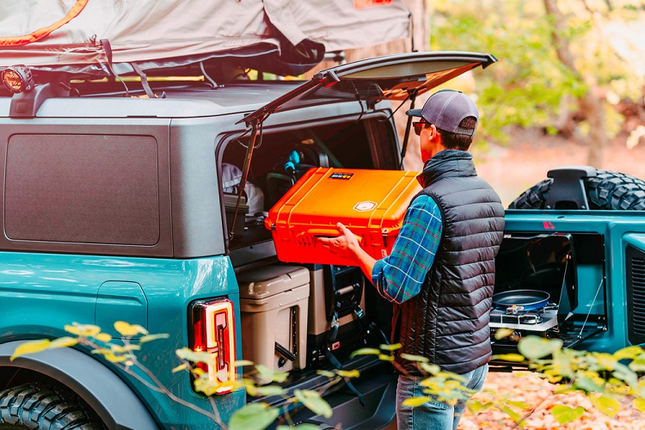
[(414, 112)]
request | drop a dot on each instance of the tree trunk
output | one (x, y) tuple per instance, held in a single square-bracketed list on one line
[(591, 107)]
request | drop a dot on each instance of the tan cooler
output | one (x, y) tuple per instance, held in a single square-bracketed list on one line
[(273, 303)]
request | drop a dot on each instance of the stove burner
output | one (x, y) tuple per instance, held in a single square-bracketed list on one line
[(516, 317)]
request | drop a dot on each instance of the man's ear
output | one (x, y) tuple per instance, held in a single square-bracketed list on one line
[(433, 131)]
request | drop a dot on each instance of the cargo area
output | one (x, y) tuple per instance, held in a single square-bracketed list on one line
[(549, 285), (302, 318)]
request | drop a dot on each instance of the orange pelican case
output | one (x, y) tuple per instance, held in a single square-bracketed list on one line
[(371, 203)]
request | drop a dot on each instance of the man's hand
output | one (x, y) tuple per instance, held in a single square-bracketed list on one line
[(346, 245)]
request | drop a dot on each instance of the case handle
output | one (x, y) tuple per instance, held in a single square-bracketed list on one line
[(327, 232)]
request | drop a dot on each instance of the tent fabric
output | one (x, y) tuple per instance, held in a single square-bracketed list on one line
[(165, 33), (35, 36)]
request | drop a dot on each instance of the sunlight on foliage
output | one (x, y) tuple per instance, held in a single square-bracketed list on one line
[(253, 416), (565, 414), (529, 86)]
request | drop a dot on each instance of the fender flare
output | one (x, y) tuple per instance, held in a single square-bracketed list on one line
[(105, 392)]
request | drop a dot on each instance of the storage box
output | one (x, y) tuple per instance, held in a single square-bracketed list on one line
[(273, 304), (371, 203), (321, 298), (336, 292)]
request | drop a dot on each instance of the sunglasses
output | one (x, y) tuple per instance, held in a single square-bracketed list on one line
[(419, 125)]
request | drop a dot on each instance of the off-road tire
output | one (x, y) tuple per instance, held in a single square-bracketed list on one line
[(607, 190), (45, 407)]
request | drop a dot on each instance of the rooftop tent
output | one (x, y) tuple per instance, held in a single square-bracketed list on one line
[(280, 36)]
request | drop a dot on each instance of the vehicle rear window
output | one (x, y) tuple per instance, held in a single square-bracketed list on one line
[(82, 189)]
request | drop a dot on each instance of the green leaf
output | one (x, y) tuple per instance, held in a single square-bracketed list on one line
[(118, 349), (206, 386), (392, 347), (588, 384), (326, 373), (624, 373), (242, 363), (413, 402), (534, 347), (518, 404), (606, 405), (110, 356), (365, 351), (253, 416), (313, 402), (63, 342), (417, 358), (266, 375), (639, 404), (269, 390), (151, 337), (475, 406), (565, 414), (629, 352), (195, 357), (103, 337), (638, 365), (503, 332), (129, 330), (517, 418), (348, 373), (509, 357), (432, 369), (385, 357), (180, 368), (86, 330), (30, 347), (563, 389)]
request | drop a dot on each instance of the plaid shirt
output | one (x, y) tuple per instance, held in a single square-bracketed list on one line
[(400, 276)]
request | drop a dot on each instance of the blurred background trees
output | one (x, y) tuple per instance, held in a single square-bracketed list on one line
[(568, 87), (571, 69)]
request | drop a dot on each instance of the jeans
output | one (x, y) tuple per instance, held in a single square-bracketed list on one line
[(432, 415)]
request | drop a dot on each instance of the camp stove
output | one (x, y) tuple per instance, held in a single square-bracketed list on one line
[(517, 318)]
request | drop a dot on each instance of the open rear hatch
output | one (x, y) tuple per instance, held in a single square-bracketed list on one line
[(393, 77), (399, 77)]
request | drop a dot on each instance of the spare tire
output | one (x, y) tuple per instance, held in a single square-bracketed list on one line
[(607, 190)]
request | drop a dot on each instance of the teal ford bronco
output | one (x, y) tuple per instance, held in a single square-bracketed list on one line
[(150, 210)]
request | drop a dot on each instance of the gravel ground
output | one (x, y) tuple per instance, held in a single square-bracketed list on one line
[(529, 388)]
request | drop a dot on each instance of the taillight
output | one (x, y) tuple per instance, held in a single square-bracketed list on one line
[(214, 332)]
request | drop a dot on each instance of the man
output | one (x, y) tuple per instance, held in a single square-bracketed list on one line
[(441, 272)]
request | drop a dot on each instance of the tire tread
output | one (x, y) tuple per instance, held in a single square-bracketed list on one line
[(608, 190), (45, 407)]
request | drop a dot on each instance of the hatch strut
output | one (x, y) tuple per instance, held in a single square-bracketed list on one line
[(245, 169), (412, 96)]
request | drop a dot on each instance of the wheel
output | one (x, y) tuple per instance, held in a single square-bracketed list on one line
[(45, 407), (607, 190)]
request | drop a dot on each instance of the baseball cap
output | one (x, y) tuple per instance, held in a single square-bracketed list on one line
[(446, 109)]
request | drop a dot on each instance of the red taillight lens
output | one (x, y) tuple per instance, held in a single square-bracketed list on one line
[(214, 332)]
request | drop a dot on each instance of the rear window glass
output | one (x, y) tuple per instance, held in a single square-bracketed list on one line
[(82, 189)]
